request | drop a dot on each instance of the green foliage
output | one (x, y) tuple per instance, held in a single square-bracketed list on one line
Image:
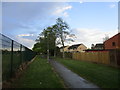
[(40, 47), (63, 32), (52, 36)]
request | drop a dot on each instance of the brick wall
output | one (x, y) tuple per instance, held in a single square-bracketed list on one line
[(113, 43)]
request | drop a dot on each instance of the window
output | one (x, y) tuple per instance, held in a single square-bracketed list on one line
[(113, 43)]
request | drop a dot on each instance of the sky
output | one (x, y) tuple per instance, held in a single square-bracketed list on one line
[(89, 21)]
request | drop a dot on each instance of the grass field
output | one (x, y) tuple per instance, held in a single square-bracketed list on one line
[(101, 75), (39, 74)]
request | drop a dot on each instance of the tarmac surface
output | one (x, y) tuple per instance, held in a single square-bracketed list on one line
[(71, 79)]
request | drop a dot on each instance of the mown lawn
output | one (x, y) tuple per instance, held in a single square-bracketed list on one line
[(101, 75), (39, 74)]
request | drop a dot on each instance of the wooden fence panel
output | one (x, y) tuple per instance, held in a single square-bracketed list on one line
[(98, 57), (110, 57)]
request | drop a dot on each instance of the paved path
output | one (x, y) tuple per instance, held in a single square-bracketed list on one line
[(71, 79)]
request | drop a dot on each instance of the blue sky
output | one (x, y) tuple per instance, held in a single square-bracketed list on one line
[(89, 21), (94, 15)]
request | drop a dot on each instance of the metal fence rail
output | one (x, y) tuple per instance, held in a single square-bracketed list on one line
[(13, 55)]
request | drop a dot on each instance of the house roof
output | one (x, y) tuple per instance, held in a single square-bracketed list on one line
[(74, 46), (62, 47), (118, 34), (99, 45)]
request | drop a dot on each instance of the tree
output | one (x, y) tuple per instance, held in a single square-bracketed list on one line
[(50, 40), (62, 32), (105, 38), (40, 46), (92, 46), (46, 40), (52, 36)]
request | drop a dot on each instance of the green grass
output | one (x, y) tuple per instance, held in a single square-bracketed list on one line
[(39, 74), (101, 75), (6, 64)]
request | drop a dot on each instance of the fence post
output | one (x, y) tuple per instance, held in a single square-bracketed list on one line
[(11, 69), (118, 57), (21, 53)]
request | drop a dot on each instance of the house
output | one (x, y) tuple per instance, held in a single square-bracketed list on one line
[(98, 46), (113, 42), (65, 49), (77, 48)]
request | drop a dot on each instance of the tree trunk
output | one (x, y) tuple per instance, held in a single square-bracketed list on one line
[(48, 48), (54, 53), (63, 49), (48, 55), (63, 53), (54, 48)]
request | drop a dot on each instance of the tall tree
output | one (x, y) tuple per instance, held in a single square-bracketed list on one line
[(47, 39), (50, 40), (55, 39), (53, 35), (62, 32), (41, 45)]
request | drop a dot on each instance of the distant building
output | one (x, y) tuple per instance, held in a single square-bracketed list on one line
[(65, 49), (99, 46), (77, 48), (113, 42)]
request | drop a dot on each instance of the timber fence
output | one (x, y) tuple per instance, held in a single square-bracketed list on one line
[(108, 57)]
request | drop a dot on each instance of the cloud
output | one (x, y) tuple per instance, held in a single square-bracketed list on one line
[(81, 1), (91, 36), (23, 19), (26, 13), (65, 14), (62, 10), (26, 16), (112, 6), (24, 41), (21, 35), (59, 0)]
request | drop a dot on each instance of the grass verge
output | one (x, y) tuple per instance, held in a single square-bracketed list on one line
[(101, 75), (39, 74)]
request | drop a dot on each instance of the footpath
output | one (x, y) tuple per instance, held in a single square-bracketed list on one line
[(71, 79)]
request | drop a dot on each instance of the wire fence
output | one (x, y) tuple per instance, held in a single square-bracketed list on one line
[(13, 55)]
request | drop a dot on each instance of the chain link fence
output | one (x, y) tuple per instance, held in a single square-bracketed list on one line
[(13, 55)]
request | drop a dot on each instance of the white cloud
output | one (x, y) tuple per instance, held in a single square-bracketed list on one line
[(25, 19), (59, 0), (27, 42), (81, 1), (30, 15), (91, 36), (65, 14), (112, 6), (62, 10), (21, 35)]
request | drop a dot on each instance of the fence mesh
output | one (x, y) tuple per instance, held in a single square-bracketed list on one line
[(13, 55)]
